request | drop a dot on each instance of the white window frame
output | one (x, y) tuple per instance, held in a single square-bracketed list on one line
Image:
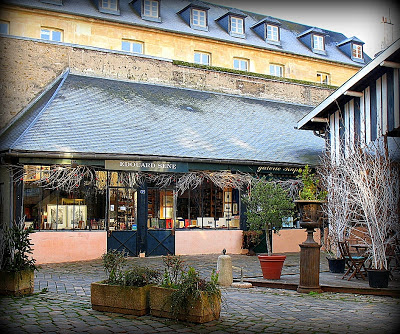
[(357, 51), (50, 32), (237, 25), (109, 4), (272, 33), (276, 70), (241, 64), (199, 18), (318, 42), (6, 26), (132, 45), (324, 78), (150, 8), (204, 58)]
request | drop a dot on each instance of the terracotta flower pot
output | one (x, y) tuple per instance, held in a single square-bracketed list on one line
[(271, 265)]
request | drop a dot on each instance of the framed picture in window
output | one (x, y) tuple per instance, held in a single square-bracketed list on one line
[(228, 196), (235, 209)]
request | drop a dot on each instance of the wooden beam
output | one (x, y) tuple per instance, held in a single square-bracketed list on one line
[(390, 64), (353, 93), (319, 120)]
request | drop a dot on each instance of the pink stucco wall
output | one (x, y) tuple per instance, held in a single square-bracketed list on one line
[(288, 240), (208, 242), (65, 246)]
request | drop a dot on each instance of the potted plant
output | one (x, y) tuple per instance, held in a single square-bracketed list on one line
[(267, 205), (16, 265), (183, 295), (124, 291)]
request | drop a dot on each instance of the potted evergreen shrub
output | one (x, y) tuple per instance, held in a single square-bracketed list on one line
[(267, 205), (16, 265), (183, 295), (250, 240), (125, 290)]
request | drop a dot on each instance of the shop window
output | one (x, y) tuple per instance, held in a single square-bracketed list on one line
[(132, 46), (160, 209), (240, 64), (202, 58), (123, 208), (323, 78), (4, 27), (51, 34), (276, 70), (54, 209)]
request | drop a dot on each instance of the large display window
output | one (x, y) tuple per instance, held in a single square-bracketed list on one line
[(55, 209)]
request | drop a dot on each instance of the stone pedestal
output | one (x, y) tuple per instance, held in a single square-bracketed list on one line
[(309, 262), (224, 267)]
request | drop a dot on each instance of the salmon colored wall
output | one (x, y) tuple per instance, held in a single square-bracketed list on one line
[(53, 246), (208, 242), (287, 241)]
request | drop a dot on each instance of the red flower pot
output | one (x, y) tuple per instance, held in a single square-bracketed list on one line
[(271, 265)]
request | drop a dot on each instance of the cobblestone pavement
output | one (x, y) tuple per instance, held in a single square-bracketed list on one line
[(66, 308)]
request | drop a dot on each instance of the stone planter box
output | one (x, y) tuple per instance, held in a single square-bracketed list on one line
[(202, 310), (120, 299), (17, 283)]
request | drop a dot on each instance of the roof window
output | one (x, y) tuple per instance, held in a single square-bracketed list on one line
[(268, 29), (233, 23), (147, 9), (314, 39), (353, 48), (195, 15), (109, 6)]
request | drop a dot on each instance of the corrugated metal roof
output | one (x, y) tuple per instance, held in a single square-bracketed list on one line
[(171, 21), (102, 116)]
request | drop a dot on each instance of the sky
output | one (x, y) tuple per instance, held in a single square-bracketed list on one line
[(362, 19)]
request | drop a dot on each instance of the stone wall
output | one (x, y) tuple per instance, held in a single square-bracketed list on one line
[(27, 66)]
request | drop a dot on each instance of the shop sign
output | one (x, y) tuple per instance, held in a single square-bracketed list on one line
[(147, 166), (274, 169)]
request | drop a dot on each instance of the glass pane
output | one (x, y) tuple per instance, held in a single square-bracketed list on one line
[(137, 48), (126, 46), (56, 36), (45, 34), (3, 28), (197, 58)]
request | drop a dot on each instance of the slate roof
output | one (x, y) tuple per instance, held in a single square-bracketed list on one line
[(85, 115), (171, 21)]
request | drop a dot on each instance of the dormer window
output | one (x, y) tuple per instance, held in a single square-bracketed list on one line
[(353, 48), (268, 29), (272, 33), (237, 25), (314, 39), (199, 18), (357, 51), (109, 6), (318, 42), (195, 15), (151, 8), (233, 23)]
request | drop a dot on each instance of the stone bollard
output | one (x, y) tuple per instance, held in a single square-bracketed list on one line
[(224, 268)]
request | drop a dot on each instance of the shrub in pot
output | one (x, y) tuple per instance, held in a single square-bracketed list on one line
[(250, 240), (125, 290), (183, 295), (16, 265), (267, 205)]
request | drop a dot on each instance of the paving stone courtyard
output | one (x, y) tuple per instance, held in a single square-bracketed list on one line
[(61, 304)]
